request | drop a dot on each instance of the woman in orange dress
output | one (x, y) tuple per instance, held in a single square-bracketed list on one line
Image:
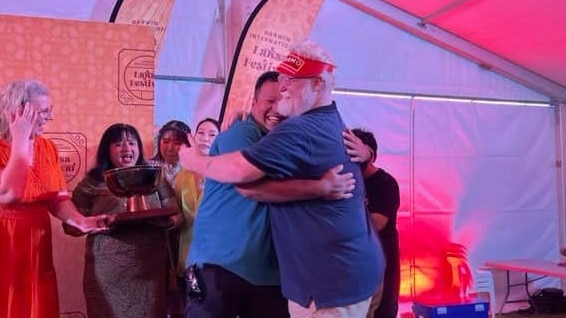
[(31, 186)]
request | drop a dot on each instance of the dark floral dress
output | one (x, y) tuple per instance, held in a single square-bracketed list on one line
[(125, 270)]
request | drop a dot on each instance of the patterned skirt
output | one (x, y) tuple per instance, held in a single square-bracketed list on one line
[(125, 273)]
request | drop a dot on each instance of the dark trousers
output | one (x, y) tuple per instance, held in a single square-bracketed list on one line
[(389, 304), (228, 296)]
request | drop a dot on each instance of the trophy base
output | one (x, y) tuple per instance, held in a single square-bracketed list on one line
[(140, 216)]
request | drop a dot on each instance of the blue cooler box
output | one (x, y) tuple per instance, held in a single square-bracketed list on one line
[(464, 309)]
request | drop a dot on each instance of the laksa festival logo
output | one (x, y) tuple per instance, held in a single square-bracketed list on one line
[(136, 78), (71, 147)]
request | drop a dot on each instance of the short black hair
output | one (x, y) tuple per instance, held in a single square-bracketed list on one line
[(179, 130), (209, 120), (368, 139), (175, 125), (113, 134), (269, 76)]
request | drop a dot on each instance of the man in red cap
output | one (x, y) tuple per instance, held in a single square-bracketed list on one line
[(330, 260)]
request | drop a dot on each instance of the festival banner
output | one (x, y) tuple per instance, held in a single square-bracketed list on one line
[(266, 38), (154, 13)]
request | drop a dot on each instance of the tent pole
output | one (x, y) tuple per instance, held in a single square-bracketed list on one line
[(561, 174), (195, 79), (223, 16), (446, 8), (412, 259)]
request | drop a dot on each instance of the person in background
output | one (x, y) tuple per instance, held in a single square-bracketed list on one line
[(383, 200), (125, 269), (188, 189), (206, 132), (314, 239), (32, 185), (167, 143), (169, 139), (189, 186)]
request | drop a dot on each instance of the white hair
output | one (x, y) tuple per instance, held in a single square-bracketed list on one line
[(313, 50), (14, 97)]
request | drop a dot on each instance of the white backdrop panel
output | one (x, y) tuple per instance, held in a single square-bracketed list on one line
[(66, 9), (186, 101), (194, 42), (492, 168), (389, 120)]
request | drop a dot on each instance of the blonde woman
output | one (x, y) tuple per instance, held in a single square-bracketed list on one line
[(31, 186)]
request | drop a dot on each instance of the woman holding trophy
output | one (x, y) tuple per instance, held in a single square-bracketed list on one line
[(125, 268)]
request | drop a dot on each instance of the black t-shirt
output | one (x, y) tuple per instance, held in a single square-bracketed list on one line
[(382, 196)]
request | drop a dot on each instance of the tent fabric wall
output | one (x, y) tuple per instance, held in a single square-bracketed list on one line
[(187, 101), (480, 175), (374, 55), (191, 60), (485, 173), (561, 172), (490, 171), (531, 34), (492, 168)]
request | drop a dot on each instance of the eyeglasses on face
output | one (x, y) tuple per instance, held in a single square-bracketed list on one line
[(286, 79), (46, 112)]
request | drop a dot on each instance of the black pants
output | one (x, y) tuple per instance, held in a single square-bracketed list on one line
[(391, 284), (228, 296)]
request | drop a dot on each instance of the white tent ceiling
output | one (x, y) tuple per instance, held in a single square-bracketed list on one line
[(522, 39)]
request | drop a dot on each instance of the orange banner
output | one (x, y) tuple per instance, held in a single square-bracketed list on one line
[(154, 13), (269, 32)]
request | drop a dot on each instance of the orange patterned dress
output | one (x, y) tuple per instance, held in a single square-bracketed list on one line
[(28, 286)]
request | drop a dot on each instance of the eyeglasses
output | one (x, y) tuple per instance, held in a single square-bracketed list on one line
[(46, 112), (286, 79)]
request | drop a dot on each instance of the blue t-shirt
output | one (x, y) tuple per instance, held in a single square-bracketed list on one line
[(230, 230), (327, 250)]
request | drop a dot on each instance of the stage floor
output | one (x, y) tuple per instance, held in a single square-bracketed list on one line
[(523, 315)]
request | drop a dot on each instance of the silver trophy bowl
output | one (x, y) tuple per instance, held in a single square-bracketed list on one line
[(133, 183)]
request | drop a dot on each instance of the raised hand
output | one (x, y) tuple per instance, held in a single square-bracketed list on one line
[(355, 148), (338, 186), (187, 155), (22, 122)]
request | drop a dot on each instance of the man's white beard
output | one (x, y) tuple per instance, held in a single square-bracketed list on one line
[(295, 105), (285, 105)]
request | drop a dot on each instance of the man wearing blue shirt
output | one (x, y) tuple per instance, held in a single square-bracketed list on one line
[(330, 260), (232, 244)]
